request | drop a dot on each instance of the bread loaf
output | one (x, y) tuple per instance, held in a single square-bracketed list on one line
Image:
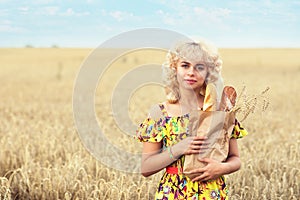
[(210, 99), (228, 98)]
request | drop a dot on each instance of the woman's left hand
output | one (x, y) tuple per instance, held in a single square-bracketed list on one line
[(212, 170)]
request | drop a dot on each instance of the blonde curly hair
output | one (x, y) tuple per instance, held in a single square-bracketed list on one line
[(201, 50)]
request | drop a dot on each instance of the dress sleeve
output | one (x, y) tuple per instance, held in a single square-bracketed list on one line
[(238, 131), (150, 130)]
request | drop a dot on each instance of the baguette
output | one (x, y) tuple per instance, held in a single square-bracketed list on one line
[(210, 99), (228, 99)]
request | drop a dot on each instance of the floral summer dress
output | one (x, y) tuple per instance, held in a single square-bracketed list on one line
[(171, 130)]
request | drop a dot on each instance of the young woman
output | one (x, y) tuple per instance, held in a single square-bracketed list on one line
[(165, 134)]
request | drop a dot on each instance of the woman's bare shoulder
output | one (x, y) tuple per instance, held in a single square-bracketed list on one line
[(156, 110)]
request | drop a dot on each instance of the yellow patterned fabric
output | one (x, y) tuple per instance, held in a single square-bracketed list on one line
[(169, 131)]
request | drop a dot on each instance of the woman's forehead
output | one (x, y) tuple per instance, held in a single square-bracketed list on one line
[(192, 61)]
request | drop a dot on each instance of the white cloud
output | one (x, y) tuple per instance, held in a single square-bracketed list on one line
[(56, 11), (183, 16), (118, 15), (48, 10), (103, 12), (24, 9), (166, 18), (9, 28), (121, 15), (222, 11), (69, 12), (43, 1), (214, 15)]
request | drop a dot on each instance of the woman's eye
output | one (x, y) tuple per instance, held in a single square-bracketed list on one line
[(185, 66), (200, 67)]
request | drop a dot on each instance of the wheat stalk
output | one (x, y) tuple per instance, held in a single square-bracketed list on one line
[(247, 104)]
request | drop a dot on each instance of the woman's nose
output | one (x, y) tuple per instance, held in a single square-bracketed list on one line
[(191, 70)]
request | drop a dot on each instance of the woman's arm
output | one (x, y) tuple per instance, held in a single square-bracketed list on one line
[(215, 169), (233, 162), (154, 158)]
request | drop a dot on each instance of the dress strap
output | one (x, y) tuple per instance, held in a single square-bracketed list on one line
[(163, 109)]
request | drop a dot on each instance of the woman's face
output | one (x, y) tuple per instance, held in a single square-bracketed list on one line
[(191, 74)]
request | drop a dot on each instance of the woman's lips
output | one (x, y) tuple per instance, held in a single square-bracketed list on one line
[(190, 81)]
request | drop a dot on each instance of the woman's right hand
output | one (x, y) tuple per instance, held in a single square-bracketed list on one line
[(190, 145)]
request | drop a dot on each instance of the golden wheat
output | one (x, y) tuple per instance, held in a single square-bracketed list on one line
[(42, 157)]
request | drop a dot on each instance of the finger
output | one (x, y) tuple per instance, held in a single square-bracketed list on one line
[(200, 146), (193, 152), (195, 147), (200, 170), (199, 143), (205, 144), (202, 177), (200, 137), (206, 160), (196, 151)]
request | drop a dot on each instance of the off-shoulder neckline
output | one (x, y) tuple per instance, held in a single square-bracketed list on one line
[(166, 114)]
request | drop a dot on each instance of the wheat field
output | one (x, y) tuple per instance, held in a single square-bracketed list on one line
[(42, 156)]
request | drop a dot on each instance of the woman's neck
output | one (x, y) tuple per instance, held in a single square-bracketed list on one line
[(190, 99)]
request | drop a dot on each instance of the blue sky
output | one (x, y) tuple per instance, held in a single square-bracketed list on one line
[(87, 23)]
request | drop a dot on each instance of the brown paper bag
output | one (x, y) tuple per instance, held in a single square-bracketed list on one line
[(216, 125)]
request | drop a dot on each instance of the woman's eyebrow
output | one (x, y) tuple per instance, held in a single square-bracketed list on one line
[(185, 62)]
